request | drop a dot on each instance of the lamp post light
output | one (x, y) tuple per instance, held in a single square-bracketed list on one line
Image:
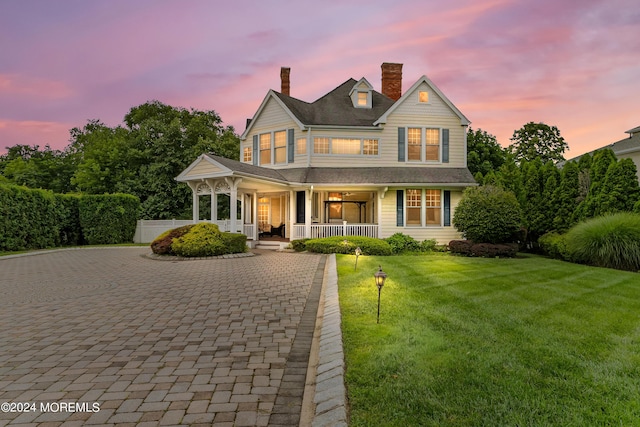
[(380, 277), (358, 253)]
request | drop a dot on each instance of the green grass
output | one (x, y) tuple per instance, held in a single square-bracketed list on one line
[(490, 342)]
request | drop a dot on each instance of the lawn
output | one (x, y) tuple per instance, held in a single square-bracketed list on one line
[(490, 342)]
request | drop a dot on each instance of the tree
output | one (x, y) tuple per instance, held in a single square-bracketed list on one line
[(484, 154), (620, 191), (37, 168), (488, 214), (538, 140), (566, 197)]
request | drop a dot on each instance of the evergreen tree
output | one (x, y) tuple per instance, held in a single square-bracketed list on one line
[(619, 191), (600, 163), (565, 198)]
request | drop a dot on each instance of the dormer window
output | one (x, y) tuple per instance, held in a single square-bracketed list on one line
[(361, 94), (362, 99)]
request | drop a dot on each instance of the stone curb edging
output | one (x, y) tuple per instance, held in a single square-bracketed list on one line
[(330, 393), (179, 258)]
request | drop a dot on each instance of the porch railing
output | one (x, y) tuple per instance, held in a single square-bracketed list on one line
[(330, 230)]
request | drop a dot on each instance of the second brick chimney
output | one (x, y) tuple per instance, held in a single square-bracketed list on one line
[(285, 85), (392, 80)]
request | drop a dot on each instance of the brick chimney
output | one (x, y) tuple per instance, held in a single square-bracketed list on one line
[(392, 80), (284, 79)]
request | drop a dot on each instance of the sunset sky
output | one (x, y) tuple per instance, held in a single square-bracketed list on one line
[(571, 64)]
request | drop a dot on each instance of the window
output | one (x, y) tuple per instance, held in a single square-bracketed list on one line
[(414, 144), (321, 145), (362, 99), (423, 144), (280, 147), (264, 209), (345, 146), (432, 137), (370, 147), (301, 146), (423, 97), (265, 148), (414, 207), (433, 206), (246, 155)]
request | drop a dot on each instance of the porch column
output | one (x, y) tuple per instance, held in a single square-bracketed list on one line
[(254, 207), (241, 212), (292, 214), (195, 209), (214, 200), (307, 212), (233, 201), (381, 194)]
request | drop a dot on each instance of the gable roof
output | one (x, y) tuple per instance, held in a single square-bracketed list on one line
[(424, 79), (340, 176), (623, 146), (336, 108)]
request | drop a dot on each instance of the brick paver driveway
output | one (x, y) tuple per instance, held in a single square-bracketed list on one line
[(153, 342)]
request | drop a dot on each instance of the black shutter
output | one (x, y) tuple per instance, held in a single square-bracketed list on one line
[(445, 145), (290, 145), (401, 144), (447, 208), (256, 153), (400, 208)]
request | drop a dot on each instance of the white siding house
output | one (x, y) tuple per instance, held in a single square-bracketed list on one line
[(354, 162)]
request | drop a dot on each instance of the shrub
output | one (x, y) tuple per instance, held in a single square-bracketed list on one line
[(462, 247), (488, 214), (108, 218), (68, 220), (554, 245), (161, 245), (402, 243), (205, 239), (485, 250), (492, 250), (611, 241), (299, 245), (430, 245), (348, 245)]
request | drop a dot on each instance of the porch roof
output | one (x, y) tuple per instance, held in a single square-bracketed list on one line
[(354, 175)]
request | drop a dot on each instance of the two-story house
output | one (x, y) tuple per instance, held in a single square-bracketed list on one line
[(353, 162)]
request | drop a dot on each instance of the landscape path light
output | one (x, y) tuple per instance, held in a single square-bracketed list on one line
[(358, 253), (380, 277)]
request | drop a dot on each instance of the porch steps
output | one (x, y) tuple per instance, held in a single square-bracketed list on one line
[(271, 245)]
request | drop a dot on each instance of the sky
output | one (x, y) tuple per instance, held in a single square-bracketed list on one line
[(567, 63)]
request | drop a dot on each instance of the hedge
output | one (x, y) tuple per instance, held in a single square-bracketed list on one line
[(108, 218), (484, 250), (348, 245), (38, 219)]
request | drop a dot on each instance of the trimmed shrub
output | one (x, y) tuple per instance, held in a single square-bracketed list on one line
[(488, 214), (402, 243), (205, 239), (161, 245), (554, 245), (348, 245), (484, 250), (492, 250), (461, 247), (299, 245), (234, 243), (108, 218), (430, 245), (611, 241)]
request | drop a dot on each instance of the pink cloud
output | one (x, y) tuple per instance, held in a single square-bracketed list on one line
[(15, 84)]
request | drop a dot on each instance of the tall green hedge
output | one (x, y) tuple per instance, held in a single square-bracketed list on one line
[(37, 219), (108, 218)]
